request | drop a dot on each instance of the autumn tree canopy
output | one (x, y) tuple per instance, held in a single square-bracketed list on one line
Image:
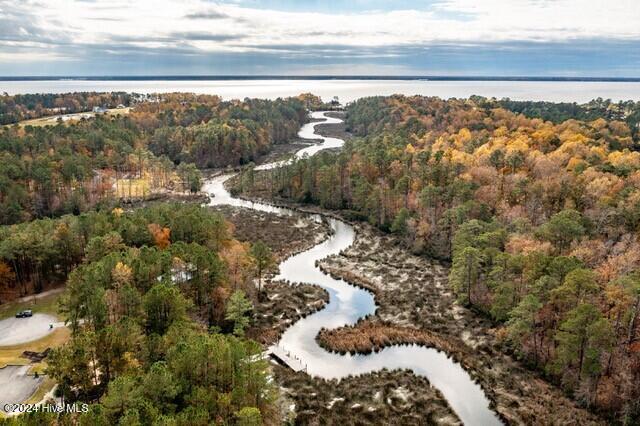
[(536, 205)]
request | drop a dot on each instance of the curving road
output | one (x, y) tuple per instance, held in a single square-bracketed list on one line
[(15, 331), (348, 303), (16, 385)]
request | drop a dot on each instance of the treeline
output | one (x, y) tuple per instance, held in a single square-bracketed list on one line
[(626, 111), (157, 309), (540, 221), (70, 168), (15, 108), (315, 103)]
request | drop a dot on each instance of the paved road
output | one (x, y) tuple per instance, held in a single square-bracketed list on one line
[(14, 331), (15, 385)]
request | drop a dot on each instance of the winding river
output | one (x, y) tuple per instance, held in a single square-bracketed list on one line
[(348, 303)]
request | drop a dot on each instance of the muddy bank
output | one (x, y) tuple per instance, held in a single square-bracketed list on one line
[(285, 151), (285, 235), (282, 151), (163, 197), (384, 397), (416, 304), (282, 305), (413, 293), (334, 130)]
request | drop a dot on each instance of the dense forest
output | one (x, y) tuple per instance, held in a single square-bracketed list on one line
[(157, 298), (157, 313), (539, 220), (72, 167), (536, 206), (212, 133), (627, 111)]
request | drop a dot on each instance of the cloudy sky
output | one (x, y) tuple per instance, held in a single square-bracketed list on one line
[(305, 37)]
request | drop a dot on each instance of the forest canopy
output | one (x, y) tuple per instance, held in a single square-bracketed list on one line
[(72, 167), (539, 218), (156, 314)]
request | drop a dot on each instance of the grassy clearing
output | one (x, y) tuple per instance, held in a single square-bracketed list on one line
[(147, 185), (130, 188), (38, 367), (119, 111), (45, 121), (70, 118), (11, 355), (44, 305), (39, 394)]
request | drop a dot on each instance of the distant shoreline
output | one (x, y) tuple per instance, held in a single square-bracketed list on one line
[(315, 77)]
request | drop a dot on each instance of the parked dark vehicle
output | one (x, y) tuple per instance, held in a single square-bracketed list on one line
[(24, 314)]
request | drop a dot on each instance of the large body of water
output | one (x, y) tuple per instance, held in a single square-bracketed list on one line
[(347, 304), (346, 90)]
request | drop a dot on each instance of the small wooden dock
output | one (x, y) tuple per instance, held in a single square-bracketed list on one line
[(285, 357)]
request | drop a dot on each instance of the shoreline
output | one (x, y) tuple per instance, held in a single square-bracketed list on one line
[(474, 343), (280, 304), (482, 405)]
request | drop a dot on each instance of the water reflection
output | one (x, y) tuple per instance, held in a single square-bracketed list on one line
[(347, 303)]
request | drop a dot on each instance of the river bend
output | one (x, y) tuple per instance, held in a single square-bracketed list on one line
[(348, 303)]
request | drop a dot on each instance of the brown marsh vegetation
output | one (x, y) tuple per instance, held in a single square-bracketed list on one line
[(416, 304), (383, 397)]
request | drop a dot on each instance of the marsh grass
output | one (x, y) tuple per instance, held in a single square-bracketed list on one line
[(384, 397)]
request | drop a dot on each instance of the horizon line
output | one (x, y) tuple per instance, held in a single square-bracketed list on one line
[(222, 77)]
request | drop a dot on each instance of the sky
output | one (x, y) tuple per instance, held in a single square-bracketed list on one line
[(542, 38)]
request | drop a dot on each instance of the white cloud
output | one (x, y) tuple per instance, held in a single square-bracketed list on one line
[(487, 20), (158, 24), (31, 57), (551, 19)]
